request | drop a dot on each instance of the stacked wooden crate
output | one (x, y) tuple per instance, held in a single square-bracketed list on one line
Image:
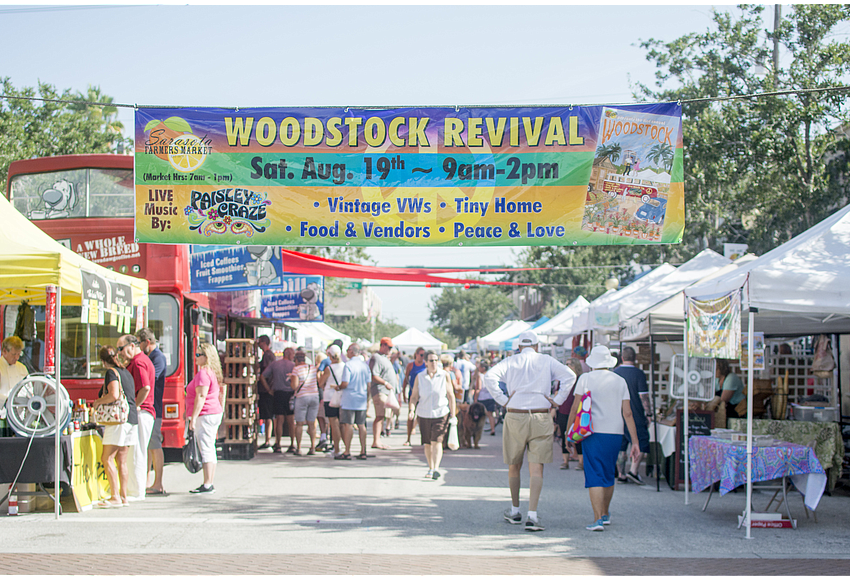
[(240, 440)]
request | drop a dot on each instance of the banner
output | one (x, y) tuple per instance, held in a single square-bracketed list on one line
[(218, 269), (302, 300), (714, 327), (410, 176), (758, 351), (100, 297)]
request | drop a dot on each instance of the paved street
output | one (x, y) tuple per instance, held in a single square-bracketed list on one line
[(314, 515)]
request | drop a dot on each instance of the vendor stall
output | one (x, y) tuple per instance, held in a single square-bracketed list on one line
[(33, 267), (799, 288)]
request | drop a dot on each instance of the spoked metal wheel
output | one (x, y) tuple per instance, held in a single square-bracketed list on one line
[(34, 407)]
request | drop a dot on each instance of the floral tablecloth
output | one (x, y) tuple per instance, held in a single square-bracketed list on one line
[(713, 459), (829, 447)]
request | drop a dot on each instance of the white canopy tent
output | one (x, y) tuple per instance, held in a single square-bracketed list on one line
[(603, 313), (801, 287), (508, 329), (695, 269), (412, 338), (667, 318), (321, 333), (562, 323)]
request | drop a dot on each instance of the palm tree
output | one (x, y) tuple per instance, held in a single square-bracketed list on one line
[(612, 151), (661, 155)]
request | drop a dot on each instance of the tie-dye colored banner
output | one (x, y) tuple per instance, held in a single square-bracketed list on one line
[(410, 177)]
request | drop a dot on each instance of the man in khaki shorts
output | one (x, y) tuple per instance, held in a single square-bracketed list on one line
[(529, 377)]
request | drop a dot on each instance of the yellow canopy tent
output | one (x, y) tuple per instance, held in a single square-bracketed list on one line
[(30, 260)]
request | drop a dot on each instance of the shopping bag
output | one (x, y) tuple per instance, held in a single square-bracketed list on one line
[(192, 454), (582, 427), (453, 441), (392, 402)]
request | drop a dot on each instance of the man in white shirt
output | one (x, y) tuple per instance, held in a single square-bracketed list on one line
[(11, 371), (528, 423)]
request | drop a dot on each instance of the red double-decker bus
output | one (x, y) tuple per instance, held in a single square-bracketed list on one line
[(86, 203)]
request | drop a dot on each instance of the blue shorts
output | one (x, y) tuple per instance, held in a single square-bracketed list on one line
[(643, 439), (489, 404), (600, 452)]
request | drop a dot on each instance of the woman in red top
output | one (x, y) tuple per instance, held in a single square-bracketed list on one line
[(205, 396)]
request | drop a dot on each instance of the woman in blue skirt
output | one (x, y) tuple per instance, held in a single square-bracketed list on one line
[(610, 408)]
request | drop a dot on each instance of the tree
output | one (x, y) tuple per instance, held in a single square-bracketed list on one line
[(661, 155), (33, 128), (759, 170), (467, 313), (611, 151)]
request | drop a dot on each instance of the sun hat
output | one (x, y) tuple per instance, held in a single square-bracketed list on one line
[(600, 358), (334, 350), (527, 338)]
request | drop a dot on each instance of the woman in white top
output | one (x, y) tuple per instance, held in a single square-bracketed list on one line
[(610, 408), (431, 400), (329, 381)]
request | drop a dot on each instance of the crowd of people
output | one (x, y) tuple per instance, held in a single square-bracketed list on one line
[(132, 450), (530, 392), (536, 397)]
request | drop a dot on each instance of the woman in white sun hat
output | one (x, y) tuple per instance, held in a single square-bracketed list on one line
[(610, 409)]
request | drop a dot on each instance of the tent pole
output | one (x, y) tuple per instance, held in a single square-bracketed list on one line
[(57, 439), (652, 402), (684, 436), (750, 373)]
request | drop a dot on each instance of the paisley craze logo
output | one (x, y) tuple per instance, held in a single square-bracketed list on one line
[(238, 210), (172, 140)]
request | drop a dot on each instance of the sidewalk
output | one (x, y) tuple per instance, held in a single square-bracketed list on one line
[(380, 564), (312, 515)]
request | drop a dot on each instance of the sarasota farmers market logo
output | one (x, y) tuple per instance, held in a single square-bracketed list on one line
[(172, 140), (239, 210)]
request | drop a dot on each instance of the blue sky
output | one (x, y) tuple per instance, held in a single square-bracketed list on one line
[(346, 55)]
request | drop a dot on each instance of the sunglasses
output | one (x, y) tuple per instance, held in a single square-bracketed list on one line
[(200, 354), (433, 360), (120, 348)]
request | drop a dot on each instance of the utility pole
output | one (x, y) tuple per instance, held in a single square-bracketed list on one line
[(777, 17)]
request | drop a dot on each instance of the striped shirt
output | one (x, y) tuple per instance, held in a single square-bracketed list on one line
[(307, 375)]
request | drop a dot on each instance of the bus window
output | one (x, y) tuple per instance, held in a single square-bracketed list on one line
[(163, 319), (81, 343), (74, 193)]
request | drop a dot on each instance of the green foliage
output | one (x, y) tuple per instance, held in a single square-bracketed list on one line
[(759, 171), (577, 272), (41, 129), (361, 327), (467, 313)]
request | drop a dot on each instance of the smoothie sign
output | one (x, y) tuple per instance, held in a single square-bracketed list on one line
[(414, 177)]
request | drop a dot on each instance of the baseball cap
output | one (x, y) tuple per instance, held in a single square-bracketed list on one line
[(527, 338), (387, 341), (334, 350)]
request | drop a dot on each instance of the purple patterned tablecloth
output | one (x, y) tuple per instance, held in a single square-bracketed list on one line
[(713, 459)]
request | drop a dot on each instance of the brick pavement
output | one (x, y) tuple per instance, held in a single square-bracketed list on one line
[(361, 564)]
